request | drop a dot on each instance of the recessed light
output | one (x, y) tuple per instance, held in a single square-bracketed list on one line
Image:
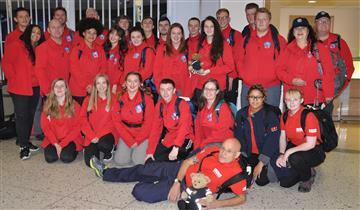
[(311, 2)]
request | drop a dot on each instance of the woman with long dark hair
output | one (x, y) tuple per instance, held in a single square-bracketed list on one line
[(215, 55), (171, 61), (23, 86), (60, 122), (115, 49), (132, 117), (306, 65), (214, 121)]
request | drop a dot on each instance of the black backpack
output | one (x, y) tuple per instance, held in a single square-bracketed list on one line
[(231, 39), (274, 36), (177, 109), (244, 174), (329, 137)]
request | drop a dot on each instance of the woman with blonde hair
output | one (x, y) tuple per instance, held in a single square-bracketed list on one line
[(96, 123), (61, 124)]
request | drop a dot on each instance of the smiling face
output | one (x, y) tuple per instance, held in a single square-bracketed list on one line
[(229, 151), (301, 33), (164, 27), (293, 101), (194, 27), (60, 89), (55, 29), (114, 37), (132, 83), (167, 91), (136, 38), (22, 19), (35, 35), (322, 26), (223, 19), (256, 99), (210, 91), (209, 28), (60, 16), (147, 25), (262, 21), (101, 85), (90, 35), (176, 35)]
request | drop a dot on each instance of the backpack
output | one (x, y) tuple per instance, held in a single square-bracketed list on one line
[(329, 137), (143, 56), (177, 109), (8, 128), (231, 106), (274, 36), (231, 39), (338, 63), (244, 174)]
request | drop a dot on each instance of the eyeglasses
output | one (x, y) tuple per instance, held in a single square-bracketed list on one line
[(222, 18), (256, 98), (323, 21), (210, 89)]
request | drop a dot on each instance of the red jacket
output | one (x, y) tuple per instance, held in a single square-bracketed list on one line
[(151, 41), (192, 43), (133, 61), (172, 67), (12, 36), (97, 123), (345, 54), (210, 128), (256, 64), (84, 69), (223, 66), (18, 69), (179, 128), (295, 62), (100, 40), (132, 113), (63, 130), (115, 69), (52, 61), (161, 42), (237, 44), (67, 37)]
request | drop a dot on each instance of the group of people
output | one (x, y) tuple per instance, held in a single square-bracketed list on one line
[(165, 104)]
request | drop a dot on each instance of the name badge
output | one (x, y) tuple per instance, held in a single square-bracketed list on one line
[(298, 130), (136, 55), (95, 54), (332, 46), (267, 45), (217, 173)]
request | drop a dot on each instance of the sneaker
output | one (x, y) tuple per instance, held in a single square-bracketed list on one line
[(33, 148), (98, 166), (306, 186), (108, 157), (24, 153)]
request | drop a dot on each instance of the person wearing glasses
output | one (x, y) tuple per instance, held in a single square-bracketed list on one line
[(214, 122), (258, 130)]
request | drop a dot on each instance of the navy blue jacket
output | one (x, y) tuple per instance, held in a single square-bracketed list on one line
[(266, 129)]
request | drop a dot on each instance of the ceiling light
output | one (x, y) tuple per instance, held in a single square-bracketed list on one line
[(311, 2)]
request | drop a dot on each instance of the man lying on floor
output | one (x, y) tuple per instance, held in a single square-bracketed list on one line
[(159, 181)]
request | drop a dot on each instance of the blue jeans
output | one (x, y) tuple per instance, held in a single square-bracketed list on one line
[(273, 95)]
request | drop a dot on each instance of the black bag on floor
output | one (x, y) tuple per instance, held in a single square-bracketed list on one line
[(7, 128)]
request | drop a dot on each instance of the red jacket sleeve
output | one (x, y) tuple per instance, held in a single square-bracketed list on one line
[(45, 126), (184, 125), (328, 70), (282, 72), (8, 61), (345, 54), (124, 134), (85, 125), (76, 127), (225, 63), (146, 126), (156, 130), (235, 50), (41, 68), (147, 70)]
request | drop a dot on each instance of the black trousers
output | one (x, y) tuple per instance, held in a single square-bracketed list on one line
[(67, 155), (162, 152), (25, 107), (253, 161), (302, 162), (104, 145)]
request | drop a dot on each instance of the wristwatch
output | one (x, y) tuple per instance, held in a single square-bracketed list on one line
[(177, 180)]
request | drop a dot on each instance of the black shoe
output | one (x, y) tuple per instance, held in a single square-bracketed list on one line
[(108, 157), (24, 153), (33, 148)]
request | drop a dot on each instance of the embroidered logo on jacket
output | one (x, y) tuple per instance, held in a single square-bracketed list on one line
[(267, 45)]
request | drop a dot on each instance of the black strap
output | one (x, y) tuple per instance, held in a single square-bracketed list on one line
[(177, 109), (129, 125), (80, 52), (206, 156), (231, 37), (234, 179), (143, 56), (142, 104)]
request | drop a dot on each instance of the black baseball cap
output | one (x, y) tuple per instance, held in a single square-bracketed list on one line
[(322, 14), (300, 21)]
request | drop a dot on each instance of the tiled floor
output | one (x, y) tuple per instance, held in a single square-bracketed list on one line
[(34, 184)]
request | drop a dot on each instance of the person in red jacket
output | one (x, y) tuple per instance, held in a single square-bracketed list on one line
[(19, 67), (250, 11), (22, 20), (215, 55), (60, 14), (299, 148), (132, 116), (115, 49), (96, 123), (147, 24), (123, 21), (258, 57), (212, 126), (140, 57), (171, 61), (164, 25), (61, 124), (235, 40), (172, 131), (298, 65), (52, 58), (194, 34), (86, 59)]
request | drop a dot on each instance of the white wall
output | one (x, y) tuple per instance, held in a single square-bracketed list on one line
[(237, 11)]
